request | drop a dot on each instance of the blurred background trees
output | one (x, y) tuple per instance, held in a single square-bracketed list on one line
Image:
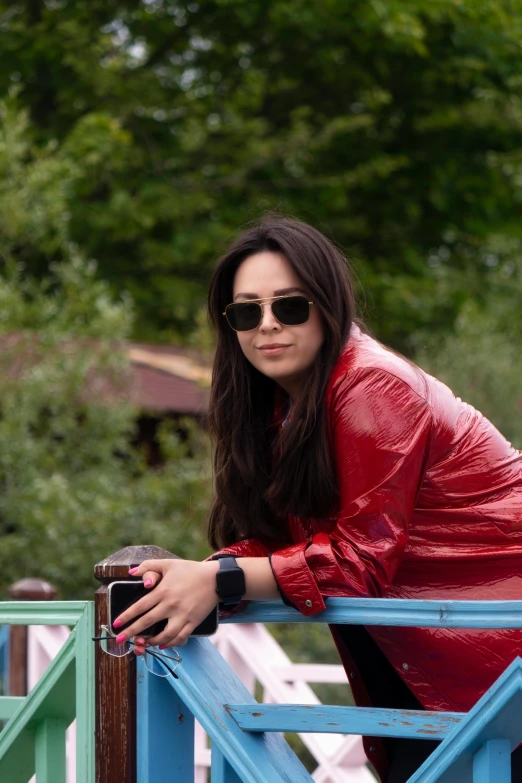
[(145, 133), (73, 487), (394, 126)]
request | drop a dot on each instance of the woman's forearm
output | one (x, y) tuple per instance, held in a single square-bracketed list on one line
[(259, 579)]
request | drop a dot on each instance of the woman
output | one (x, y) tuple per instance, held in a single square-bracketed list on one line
[(342, 469)]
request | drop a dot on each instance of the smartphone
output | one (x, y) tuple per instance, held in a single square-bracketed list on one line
[(121, 595)]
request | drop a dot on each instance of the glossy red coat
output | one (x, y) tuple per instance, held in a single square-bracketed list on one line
[(430, 507)]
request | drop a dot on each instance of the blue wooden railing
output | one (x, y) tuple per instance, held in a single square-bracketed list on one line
[(475, 747), (4, 659), (4, 664)]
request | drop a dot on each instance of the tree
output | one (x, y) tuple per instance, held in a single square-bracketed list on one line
[(72, 487), (481, 360), (394, 126)]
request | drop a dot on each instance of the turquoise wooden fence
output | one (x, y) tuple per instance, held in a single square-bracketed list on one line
[(33, 741), (475, 747)]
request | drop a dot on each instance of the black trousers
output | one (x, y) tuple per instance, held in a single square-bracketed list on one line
[(408, 755), (386, 689)]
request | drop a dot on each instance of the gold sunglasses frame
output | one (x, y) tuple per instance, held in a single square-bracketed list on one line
[(261, 302)]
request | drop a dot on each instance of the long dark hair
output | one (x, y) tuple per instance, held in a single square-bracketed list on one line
[(261, 474)]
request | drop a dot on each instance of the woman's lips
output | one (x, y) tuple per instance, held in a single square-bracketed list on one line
[(274, 351)]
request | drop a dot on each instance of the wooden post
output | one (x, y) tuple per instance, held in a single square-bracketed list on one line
[(116, 677), (24, 590)]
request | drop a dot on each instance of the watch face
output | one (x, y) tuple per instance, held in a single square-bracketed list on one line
[(230, 582)]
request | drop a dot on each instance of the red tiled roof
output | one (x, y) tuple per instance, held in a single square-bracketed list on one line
[(169, 379), (163, 378)]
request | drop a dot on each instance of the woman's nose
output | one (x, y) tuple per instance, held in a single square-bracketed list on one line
[(268, 321)]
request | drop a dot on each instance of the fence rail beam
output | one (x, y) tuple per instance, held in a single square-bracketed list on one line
[(41, 613), (410, 612), (323, 719)]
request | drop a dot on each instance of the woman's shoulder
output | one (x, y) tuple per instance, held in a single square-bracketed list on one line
[(365, 358), (378, 384)]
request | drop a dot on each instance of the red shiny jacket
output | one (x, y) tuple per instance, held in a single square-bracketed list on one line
[(430, 507)]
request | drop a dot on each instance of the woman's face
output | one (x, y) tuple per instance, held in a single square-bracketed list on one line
[(265, 275)]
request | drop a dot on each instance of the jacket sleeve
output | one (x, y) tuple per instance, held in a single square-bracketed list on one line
[(248, 547), (380, 432)]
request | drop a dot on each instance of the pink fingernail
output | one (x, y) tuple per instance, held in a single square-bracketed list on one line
[(120, 639), (162, 646), (133, 570), (116, 624), (148, 583)]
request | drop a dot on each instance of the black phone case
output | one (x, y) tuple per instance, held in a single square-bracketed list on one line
[(121, 597)]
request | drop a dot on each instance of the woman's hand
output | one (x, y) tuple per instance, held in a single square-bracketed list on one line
[(182, 591)]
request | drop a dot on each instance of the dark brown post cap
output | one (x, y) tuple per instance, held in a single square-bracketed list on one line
[(32, 590), (116, 566)]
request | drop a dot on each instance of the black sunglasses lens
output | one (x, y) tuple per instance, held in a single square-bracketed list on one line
[(244, 316), (292, 310)]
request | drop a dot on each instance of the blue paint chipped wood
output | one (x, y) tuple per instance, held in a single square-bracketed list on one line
[(496, 716), (319, 718), (474, 749), (263, 720), (165, 731), (391, 611), (206, 683)]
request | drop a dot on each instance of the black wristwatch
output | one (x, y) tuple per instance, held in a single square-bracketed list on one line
[(230, 580)]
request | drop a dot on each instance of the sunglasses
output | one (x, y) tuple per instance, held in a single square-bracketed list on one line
[(159, 663), (289, 311)]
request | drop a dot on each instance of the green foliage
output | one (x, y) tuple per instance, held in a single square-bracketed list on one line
[(72, 489), (394, 126), (33, 199), (481, 360)]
